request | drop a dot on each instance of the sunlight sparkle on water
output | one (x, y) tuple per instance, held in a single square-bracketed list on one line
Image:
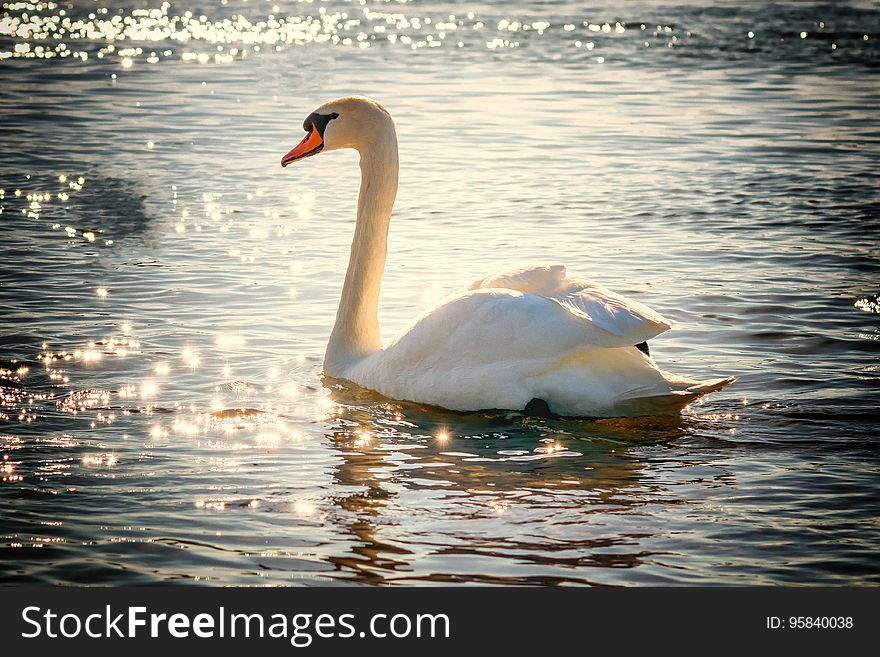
[(89, 355), (869, 304), (233, 38), (149, 389), (190, 357), (362, 439), (304, 508), (215, 505), (326, 408), (108, 460), (228, 341), (499, 506)]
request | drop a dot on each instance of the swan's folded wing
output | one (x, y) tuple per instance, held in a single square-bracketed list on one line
[(534, 279), (632, 321), (629, 320), (501, 326)]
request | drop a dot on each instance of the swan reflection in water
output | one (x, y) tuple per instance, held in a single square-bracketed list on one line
[(556, 497)]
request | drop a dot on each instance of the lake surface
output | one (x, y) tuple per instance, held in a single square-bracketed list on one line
[(167, 290)]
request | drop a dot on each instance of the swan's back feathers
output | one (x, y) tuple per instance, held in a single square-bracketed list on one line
[(497, 324), (534, 279), (629, 320)]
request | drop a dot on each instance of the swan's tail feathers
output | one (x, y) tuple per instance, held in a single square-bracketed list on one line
[(642, 402), (704, 387)]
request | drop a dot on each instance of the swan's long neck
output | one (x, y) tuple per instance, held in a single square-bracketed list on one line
[(356, 332)]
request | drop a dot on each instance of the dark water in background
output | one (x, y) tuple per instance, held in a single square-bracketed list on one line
[(176, 275)]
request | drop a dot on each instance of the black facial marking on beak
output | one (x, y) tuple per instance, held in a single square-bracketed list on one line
[(313, 142), (318, 122)]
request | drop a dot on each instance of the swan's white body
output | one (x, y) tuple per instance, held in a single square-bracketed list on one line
[(518, 335)]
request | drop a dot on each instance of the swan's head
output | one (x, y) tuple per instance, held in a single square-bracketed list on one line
[(351, 122)]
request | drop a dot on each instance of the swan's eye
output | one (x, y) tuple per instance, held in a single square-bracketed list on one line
[(318, 122)]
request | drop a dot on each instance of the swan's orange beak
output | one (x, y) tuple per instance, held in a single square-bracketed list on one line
[(310, 145)]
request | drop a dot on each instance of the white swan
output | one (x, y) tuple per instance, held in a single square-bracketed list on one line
[(532, 338)]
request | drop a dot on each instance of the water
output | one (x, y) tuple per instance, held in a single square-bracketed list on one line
[(167, 290)]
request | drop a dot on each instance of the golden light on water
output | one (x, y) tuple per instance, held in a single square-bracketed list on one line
[(7, 471), (868, 304), (190, 357), (108, 460), (50, 33), (304, 508), (290, 390), (214, 505), (326, 409), (89, 355), (499, 506), (241, 389), (266, 428), (80, 401)]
